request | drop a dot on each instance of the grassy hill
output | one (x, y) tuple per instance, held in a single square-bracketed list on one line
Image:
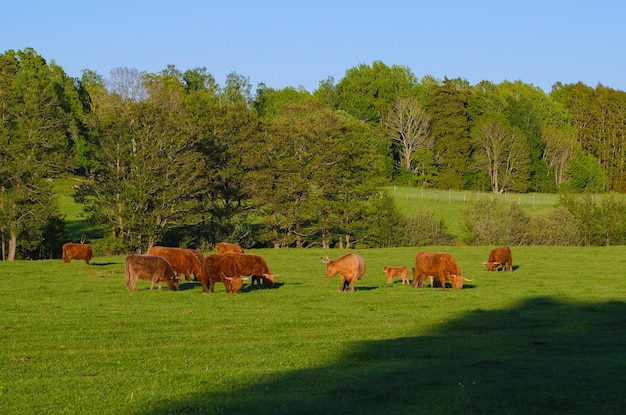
[(74, 217)]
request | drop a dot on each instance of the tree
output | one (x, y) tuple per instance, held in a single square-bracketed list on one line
[(368, 92), (147, 177), (287, 161), (502, 152), (561, 147), (37, 123), (408, 128), (450, 131)]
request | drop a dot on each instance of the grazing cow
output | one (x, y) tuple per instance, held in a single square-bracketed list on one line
[(183, 261), (225, 247), (221, 268), (401, 272), (351, 267), (255, 267), (441, 266), (77, 251), (500, 258), (150, 268)]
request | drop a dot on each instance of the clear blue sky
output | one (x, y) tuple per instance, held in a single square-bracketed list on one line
[(293, 43)]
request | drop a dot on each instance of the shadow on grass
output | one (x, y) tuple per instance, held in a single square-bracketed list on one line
[(541, 357)]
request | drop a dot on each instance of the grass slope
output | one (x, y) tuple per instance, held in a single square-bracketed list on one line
[(547, 338)]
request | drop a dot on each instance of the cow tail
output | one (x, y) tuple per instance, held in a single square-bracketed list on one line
[(127, 277)]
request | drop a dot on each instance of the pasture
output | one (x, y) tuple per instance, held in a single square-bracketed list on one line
[(548, 338)]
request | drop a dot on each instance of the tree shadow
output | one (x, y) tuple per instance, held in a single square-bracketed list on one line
[(541, 357)]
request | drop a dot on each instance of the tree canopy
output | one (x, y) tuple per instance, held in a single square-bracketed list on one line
[(176, 157)]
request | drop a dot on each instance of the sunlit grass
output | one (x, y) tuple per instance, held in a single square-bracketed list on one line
[(547, 338)]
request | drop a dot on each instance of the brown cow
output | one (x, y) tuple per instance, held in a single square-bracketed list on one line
[(77, 251), (225, 247), (198, 254), (221, 268), (255, 267), (150, 268), (351, 267), (183, 261), (401, 272), (441, 266), (499, 258)]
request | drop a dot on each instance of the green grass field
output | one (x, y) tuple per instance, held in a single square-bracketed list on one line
[(548, 338)]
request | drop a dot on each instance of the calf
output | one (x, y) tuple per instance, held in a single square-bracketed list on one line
[(255, 267), (77, 251), (150, 268), (392, 272), (183, 261), (351, 267), (221, 268), (499, 257), (441, 266)]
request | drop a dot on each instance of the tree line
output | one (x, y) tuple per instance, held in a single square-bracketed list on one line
[(176, 158)]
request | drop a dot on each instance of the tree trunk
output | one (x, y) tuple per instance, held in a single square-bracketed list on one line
[(12, 247)]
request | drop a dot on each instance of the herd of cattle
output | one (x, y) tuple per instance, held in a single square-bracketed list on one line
[(231, 266)]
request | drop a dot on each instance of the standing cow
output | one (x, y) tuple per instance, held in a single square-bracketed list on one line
[(183, 261), (500, 257), (255, 267), (221, 268), (441, 266), (77, 251), (351, 267), (392, 272), (225, 247), (150, 268)]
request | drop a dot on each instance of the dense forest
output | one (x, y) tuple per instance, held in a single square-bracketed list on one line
[(176, 158)]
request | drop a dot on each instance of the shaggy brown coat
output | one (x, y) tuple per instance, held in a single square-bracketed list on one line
[(183, 261), (77, 251), (150, 268), (441, 266)]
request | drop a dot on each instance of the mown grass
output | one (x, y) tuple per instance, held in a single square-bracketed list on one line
[(547, 338)]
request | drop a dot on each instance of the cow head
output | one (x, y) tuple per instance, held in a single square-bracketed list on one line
[(173, 283), (268, 280), (457, 281), (235, 283), (491, 265), (331, 269)]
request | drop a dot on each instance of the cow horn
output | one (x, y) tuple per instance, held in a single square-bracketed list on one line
[(327, 261)]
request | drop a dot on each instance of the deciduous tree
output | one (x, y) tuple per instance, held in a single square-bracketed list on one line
[(502, 152), (37, 123), (408, 127)]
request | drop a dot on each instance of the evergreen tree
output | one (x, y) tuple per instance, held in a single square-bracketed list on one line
[(450, 130)]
